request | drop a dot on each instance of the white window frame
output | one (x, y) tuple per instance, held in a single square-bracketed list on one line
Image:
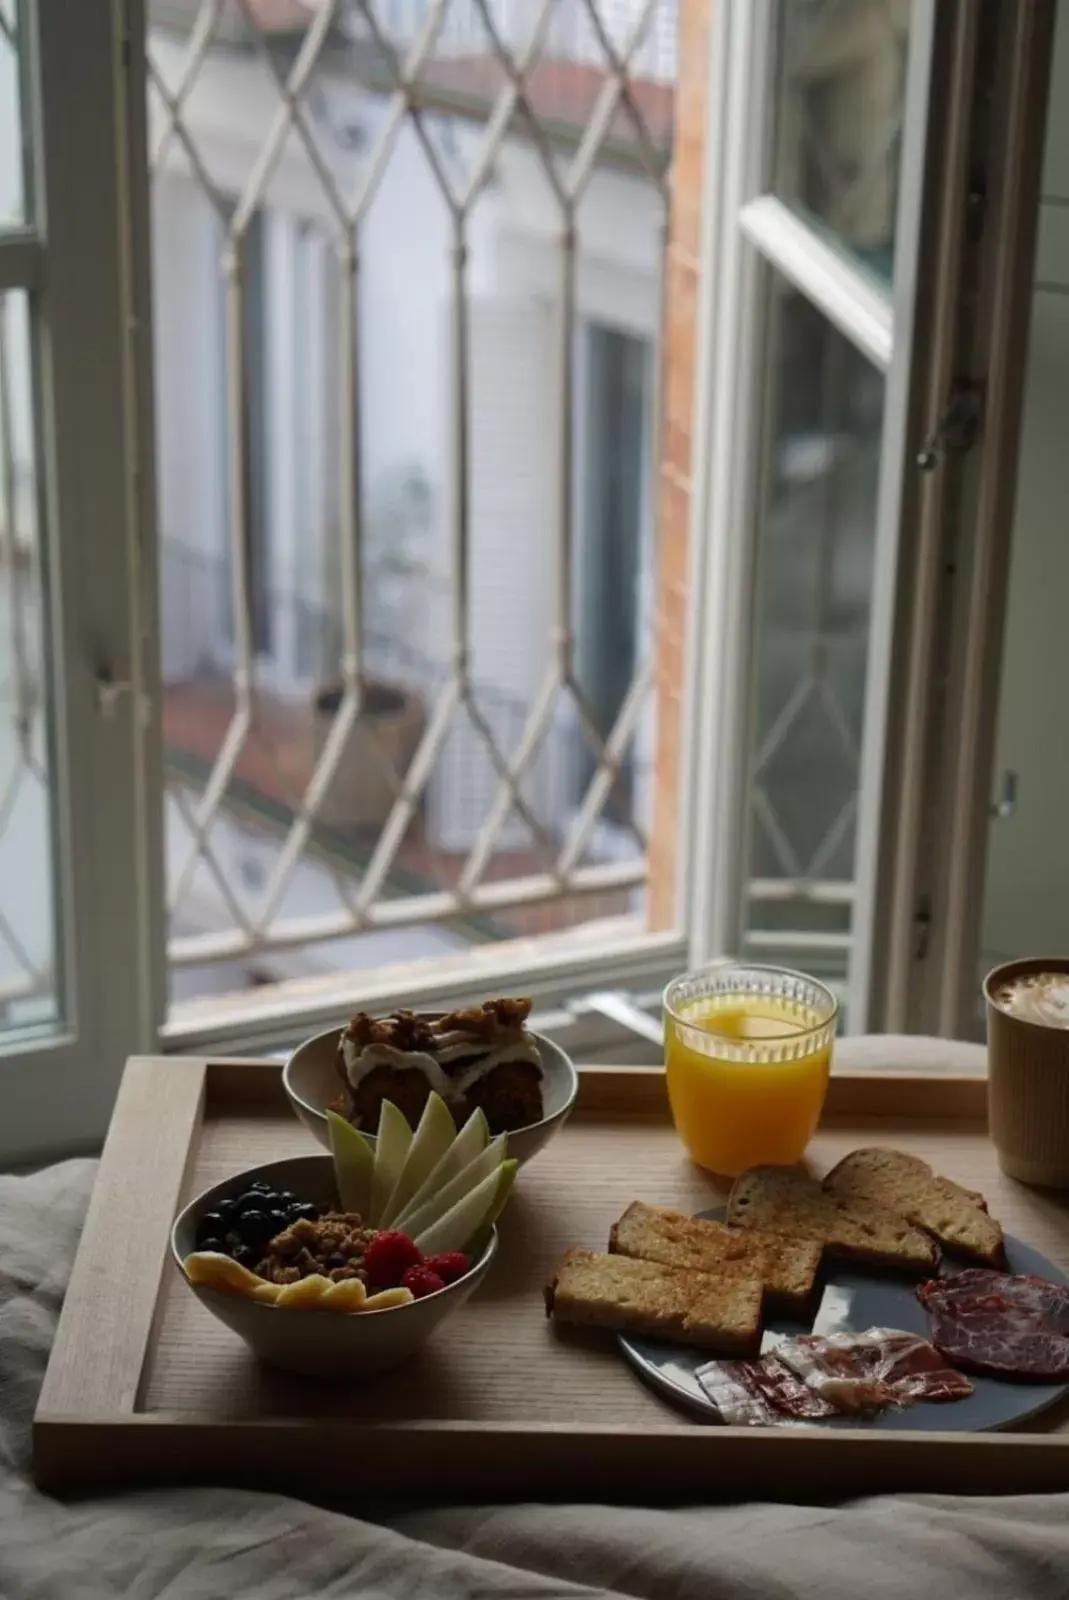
[(85, 101), (751, 233), (928, 943)]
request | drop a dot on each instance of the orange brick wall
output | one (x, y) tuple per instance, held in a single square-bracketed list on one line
[(680, 341)]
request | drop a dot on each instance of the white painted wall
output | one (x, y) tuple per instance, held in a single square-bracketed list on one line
[(1027, 894)]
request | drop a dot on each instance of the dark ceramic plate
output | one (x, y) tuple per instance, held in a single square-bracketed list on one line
[(853, 1301)]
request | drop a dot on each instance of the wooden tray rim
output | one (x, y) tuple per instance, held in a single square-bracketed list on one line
[(87, 1415)]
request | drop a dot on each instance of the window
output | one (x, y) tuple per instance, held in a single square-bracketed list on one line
[(76, 741), (813, 370), (457, 567), (408, 710)]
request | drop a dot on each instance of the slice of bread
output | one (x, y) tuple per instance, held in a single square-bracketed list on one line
[(787, 1200), (720, 1314), (906, 1184), (787, 1267)]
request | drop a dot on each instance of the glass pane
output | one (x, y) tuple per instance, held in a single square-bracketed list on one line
[(12, 154), (839, 101), (27, 873), (816, 537), (496, 652)]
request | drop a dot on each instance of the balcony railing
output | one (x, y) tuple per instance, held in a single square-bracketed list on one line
[(291, 725)]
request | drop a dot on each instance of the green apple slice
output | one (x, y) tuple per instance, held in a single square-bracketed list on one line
[(416, 1218), (430, 1142), (354, 1164), (467, 1218), (471, 1141), (505, 1179), (391, 1148)]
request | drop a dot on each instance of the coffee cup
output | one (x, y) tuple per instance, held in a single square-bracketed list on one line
[(1028, 1068)]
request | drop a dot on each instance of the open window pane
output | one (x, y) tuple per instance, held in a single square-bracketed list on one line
[(823, 407), (28, 940), (839, 105), (12, 132)]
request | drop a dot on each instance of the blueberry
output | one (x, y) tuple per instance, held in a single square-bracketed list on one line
[(232, 1238), (251, 1200), (243, 1255), (286, 1197), (212, 1244), (225, 1208), (260, 1187), (252, 1225), (305, 1208), (210, 1225), (278, 1221)]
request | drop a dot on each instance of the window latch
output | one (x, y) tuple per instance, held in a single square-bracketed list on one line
[(959, 426), (111, 690)]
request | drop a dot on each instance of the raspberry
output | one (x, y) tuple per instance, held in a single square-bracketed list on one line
[(450, 1265), (421, 1281), (387, 1258)]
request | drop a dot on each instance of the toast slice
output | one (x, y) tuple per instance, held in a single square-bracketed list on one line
[(906, 1184), (719, 1314), (787, 1267), (787, 1200)]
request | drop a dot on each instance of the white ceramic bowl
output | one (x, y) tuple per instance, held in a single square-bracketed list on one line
[(321, 1344), (312, 1083)]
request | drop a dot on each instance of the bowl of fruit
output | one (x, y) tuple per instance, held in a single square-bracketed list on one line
[(481, 1059), (342, 1265)]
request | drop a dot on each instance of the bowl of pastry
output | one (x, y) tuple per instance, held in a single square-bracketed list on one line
[(343, 1265), (483, 1060)]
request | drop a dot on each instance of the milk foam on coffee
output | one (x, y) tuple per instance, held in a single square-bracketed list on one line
[(1041, 997)]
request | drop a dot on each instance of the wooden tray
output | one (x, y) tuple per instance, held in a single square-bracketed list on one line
[(143, 1385)]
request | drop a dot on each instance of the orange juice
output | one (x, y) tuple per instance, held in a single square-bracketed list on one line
[(747, 1075)]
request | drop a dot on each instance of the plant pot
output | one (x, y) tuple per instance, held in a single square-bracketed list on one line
[(387, 733)]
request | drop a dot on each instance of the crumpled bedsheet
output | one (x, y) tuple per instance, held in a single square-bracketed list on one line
[(192, 1544)]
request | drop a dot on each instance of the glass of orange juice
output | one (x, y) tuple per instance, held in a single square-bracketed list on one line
[(747, 1057)]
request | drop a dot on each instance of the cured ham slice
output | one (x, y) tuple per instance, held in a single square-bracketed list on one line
[(759, 1393), (1010, 1325), (866, 1372), (813, 1378)]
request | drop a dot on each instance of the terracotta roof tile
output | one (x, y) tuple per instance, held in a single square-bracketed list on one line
[(561, 92)]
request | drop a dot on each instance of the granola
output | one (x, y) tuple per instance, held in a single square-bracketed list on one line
[(334, 1246)]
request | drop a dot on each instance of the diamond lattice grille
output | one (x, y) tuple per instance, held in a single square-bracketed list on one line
[(385, 649)]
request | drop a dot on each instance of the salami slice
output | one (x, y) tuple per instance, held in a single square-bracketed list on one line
[(1011, 1325)]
